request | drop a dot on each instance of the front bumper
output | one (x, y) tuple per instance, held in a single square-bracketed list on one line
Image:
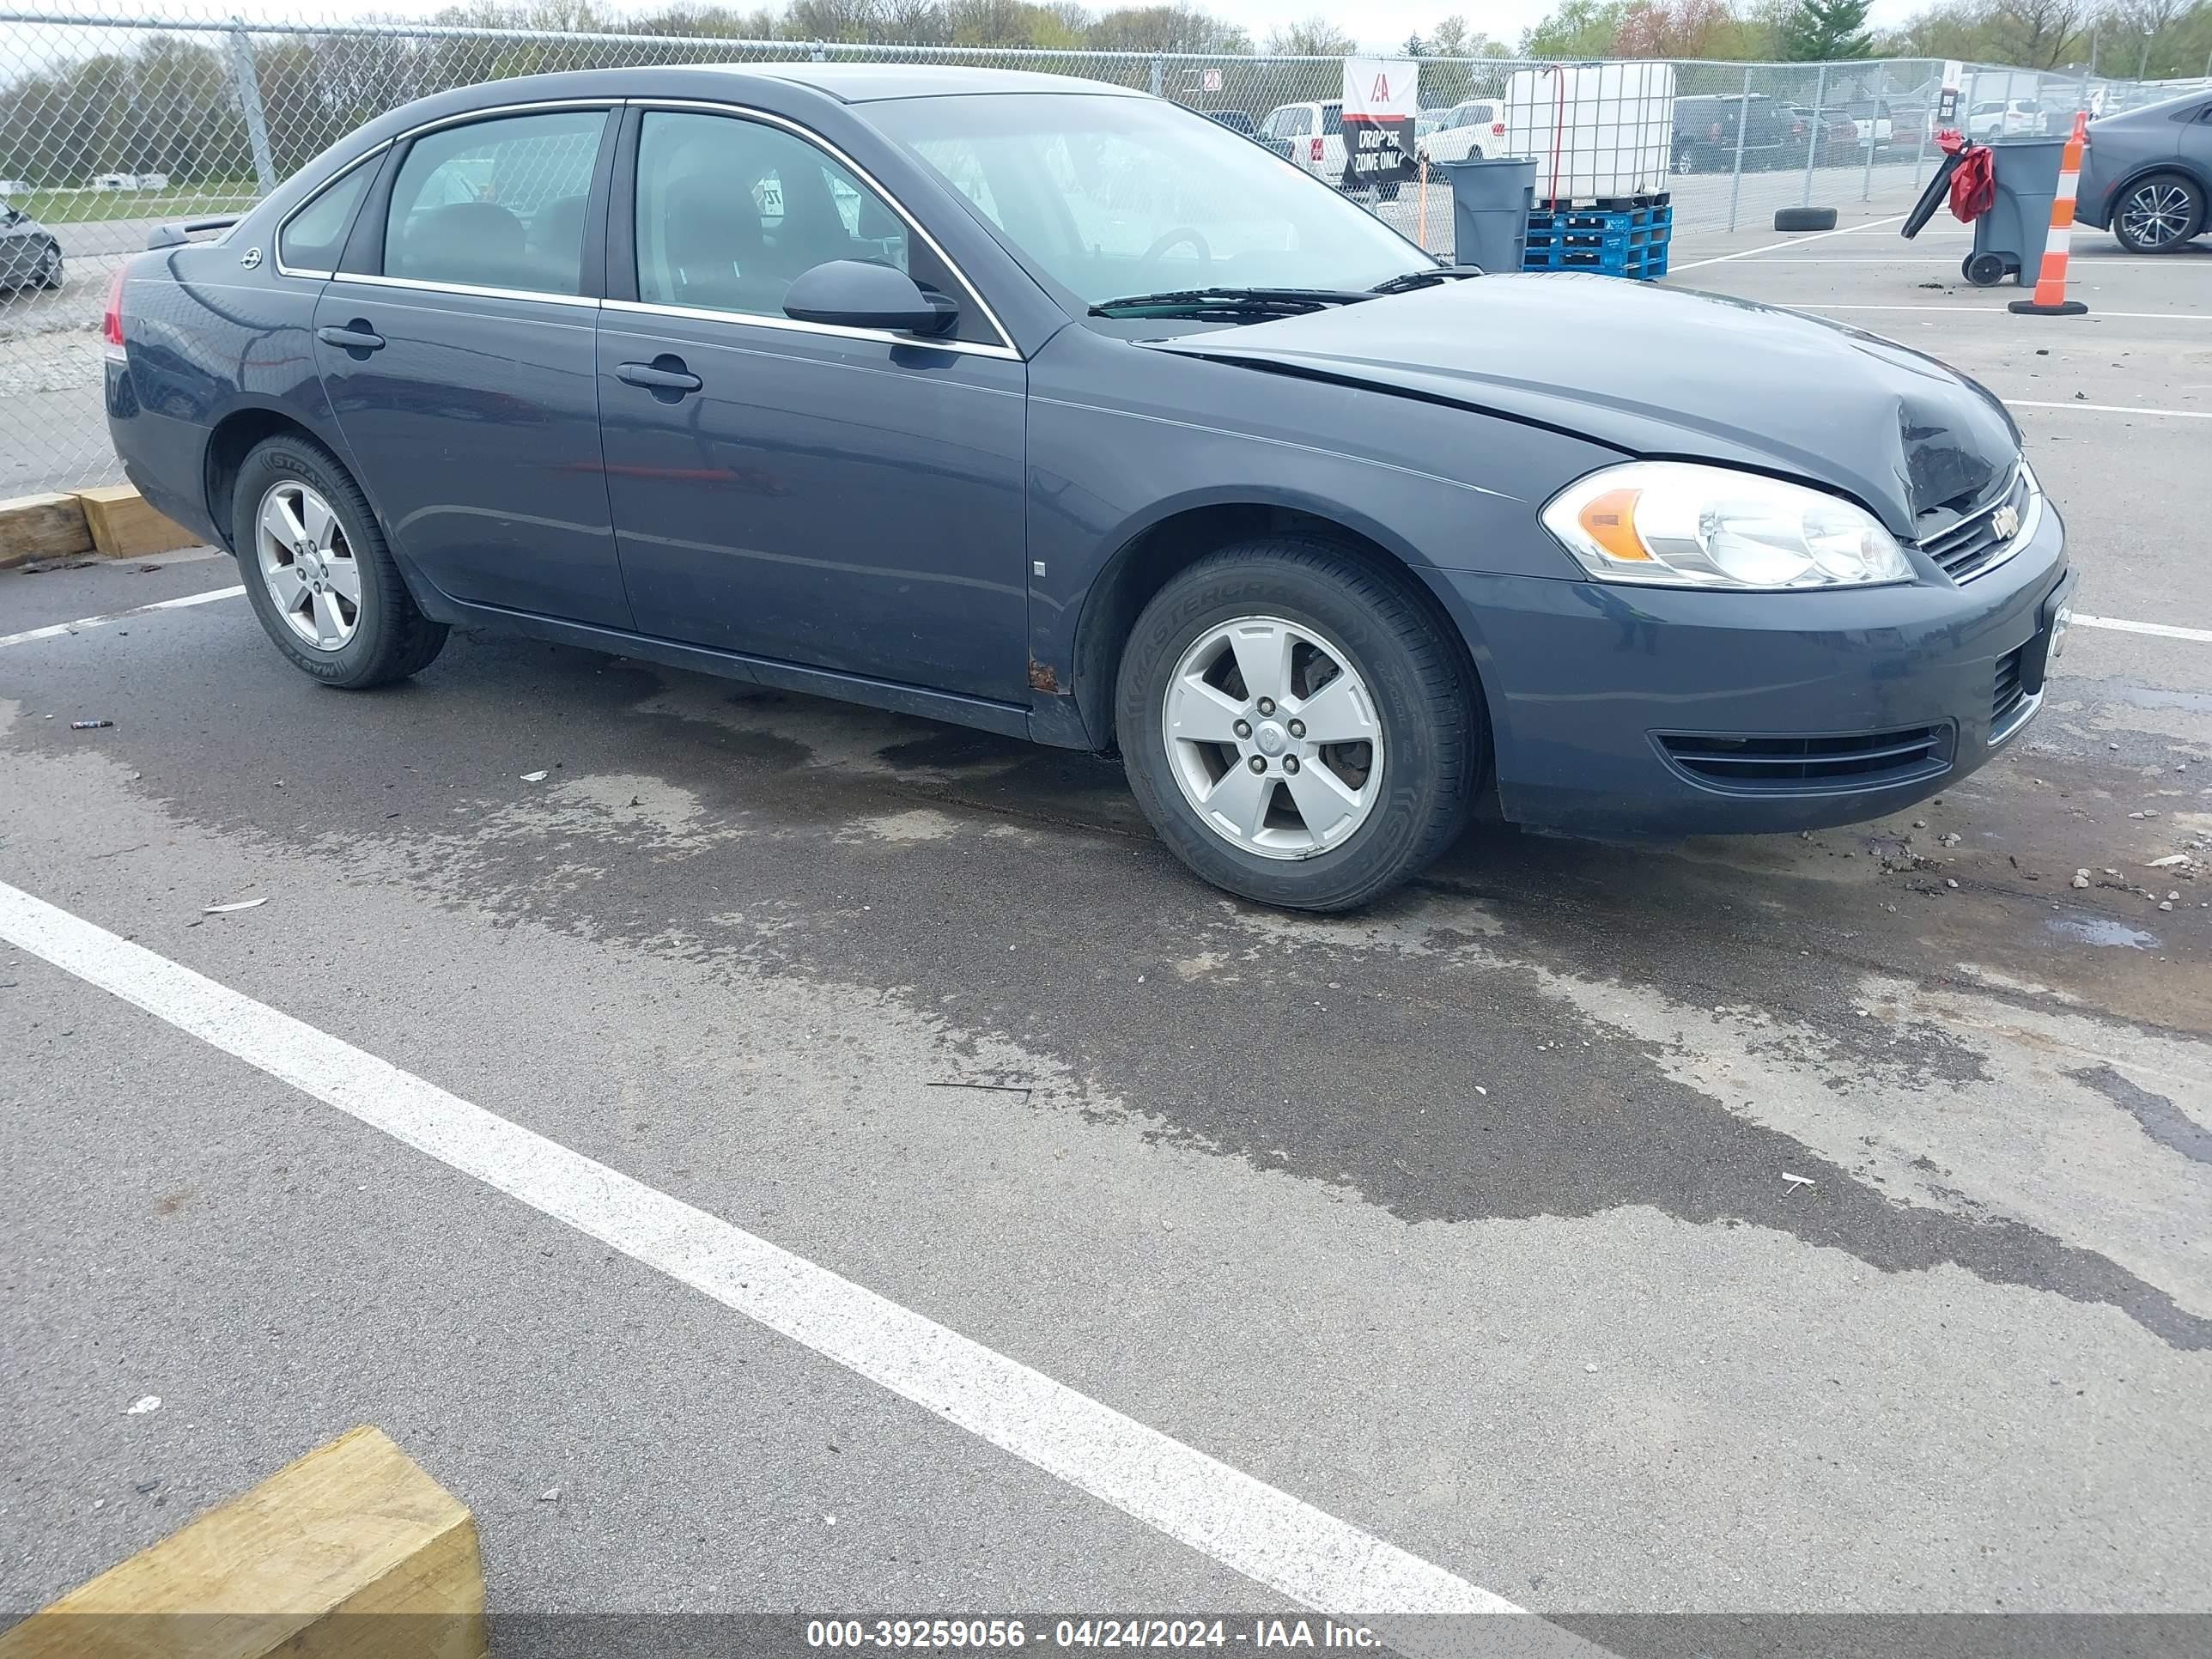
[(1620, 710)]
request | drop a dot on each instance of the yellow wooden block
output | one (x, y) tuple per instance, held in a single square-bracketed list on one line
[(352, 1553), (42, 527), (124, 528)]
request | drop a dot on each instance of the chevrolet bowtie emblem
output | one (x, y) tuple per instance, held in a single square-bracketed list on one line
[(2006, 522)]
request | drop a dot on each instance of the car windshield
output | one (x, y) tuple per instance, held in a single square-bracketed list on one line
[(1112, 196)]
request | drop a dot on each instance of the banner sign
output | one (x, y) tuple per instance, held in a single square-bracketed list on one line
[(1381, 97), (1947, 103)]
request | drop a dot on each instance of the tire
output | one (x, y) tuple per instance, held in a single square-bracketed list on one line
[(1984, 270), (1408, 683), (1685, 159), (389, 638), (2160, 214), (1804, 218), (50, 269)]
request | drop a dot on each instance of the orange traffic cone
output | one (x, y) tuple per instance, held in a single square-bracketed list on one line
[(2051, 298)]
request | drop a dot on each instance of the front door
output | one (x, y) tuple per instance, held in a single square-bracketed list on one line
[(458, 352), (843, 498)]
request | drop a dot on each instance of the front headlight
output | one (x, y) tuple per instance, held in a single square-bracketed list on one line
[(1682, 525)]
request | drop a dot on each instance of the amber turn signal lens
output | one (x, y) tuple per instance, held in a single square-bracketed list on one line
[(1610, 521)]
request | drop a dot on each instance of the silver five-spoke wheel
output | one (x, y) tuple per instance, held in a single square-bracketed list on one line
[(2157, 214), (308, 566), (1273, 738)]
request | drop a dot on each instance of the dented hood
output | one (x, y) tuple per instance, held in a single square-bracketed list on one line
[(1662, 372)]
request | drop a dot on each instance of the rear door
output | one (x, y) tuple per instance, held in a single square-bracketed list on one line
[(456, 341)]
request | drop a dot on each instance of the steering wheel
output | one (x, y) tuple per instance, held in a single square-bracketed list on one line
[(1180, 236)]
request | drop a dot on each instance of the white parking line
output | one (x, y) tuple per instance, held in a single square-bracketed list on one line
[(1795, 242), (2112, 409), (56, 629), (2164, 630), (1269, 1536), (1999, 312)]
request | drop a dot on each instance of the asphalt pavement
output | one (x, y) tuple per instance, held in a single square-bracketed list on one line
[(1770, 1227)]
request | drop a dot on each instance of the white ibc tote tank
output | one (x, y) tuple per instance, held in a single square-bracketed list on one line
[(1605, 129)]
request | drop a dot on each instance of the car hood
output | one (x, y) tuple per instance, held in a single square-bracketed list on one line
[(1665, 373)]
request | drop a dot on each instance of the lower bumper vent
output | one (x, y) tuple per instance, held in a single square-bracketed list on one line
[(1865, 760)]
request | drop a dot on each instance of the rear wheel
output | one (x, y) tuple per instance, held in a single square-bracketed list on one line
[(1297, 730), (2159, 214), (318, 573), (50, 268)]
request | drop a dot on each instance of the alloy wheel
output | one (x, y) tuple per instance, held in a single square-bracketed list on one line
[(2157, 214), (308, 566), (1273, 738)]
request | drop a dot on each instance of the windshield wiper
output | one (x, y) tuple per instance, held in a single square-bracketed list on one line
[(1288, 301), (1405, 282)]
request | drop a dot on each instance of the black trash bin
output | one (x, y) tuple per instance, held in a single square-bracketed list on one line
[(2009, 238), (1491, 200)]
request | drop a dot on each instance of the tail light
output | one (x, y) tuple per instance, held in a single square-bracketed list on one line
[(1714, 135), (1498, 129), (1315, 151), (111, 327)]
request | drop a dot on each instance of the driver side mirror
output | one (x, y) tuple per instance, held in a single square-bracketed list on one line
[(860, 294)]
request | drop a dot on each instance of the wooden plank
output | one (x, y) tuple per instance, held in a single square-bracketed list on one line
[(124, 528), (42, 527), (352, 1553)]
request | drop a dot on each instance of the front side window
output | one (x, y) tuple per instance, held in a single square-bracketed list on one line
[(1110, 196), (730, 210), (314, 237), (496, 203)]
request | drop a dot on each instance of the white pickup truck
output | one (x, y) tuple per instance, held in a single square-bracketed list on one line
[(1467, 131)]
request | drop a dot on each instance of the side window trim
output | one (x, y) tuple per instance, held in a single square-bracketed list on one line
[(622, 244), (362, 261), (374, 158)]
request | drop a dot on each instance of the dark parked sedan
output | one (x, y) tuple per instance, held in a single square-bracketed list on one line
[(1061, 411), (30, 254), (2146, 175)]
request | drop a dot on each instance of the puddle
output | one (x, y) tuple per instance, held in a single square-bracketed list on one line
[(2101, 930)]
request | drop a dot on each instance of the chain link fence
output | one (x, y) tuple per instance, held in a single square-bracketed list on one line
[(112, 124)]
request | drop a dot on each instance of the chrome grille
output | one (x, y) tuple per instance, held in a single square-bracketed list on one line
[(1977, 543)]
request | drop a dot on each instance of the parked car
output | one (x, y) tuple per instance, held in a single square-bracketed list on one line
[(1467, 131), (1706, 138), (1872, 123), (1053, 408), (1839, 136), (1315, 132), (30, 254), (2147, 174), (2011, 118), (1241, 122)]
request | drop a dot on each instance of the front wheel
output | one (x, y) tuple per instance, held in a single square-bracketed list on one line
[(1297, 728), (50, 269), (2160, 214), (317, 572)]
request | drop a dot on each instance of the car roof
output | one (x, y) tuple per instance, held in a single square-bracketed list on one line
[(863, 83)]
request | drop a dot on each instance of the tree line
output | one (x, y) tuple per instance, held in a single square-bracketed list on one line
[(169, 104)]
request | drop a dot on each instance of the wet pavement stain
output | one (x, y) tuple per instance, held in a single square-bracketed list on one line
[(1361, 1068), (2161, 1120)]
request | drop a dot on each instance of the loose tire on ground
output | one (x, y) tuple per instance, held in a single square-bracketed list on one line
[(388, 638), (1804, 218), (1410, 680)]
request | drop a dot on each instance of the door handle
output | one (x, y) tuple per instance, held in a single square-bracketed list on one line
[(356, 335), (663, 373)]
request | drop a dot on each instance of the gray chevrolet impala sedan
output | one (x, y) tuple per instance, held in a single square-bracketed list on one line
[(1050, 408)]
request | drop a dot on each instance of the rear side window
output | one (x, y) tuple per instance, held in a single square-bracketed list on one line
[(497, 203), (1332, 120), (312, 238)]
